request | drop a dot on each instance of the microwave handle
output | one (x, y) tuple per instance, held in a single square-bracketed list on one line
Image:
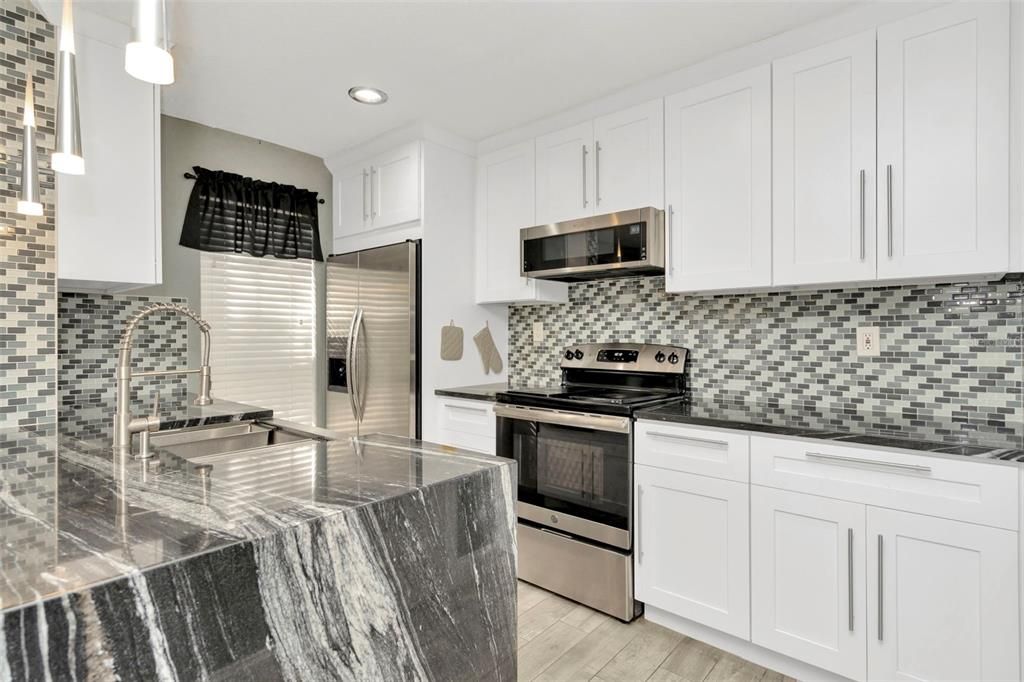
[(597, 422)]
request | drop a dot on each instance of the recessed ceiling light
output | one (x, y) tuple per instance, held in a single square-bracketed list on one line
[(367, 95)]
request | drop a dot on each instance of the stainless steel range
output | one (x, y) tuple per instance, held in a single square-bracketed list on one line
[(574, 447)]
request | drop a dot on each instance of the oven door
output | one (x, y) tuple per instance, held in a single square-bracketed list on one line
[(575, 470)]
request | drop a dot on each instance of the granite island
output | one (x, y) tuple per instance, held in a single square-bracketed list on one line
[(377, 558)]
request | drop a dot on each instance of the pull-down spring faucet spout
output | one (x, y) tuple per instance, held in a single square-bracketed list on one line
[(124, 424)]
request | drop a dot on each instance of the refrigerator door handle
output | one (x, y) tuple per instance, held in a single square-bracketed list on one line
[(358, 373), (350, 364)]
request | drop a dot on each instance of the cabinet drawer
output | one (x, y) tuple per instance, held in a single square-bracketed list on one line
[(694, 450), (468, 441), (467, 416), (963, 491)]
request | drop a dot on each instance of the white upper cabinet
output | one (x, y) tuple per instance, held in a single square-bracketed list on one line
[(943, 142), (807, 579), (629, 159), (504, 205), (378, 193), (395, 186), (718, 184), (823, 163), (942, 599), (613, 163), (565, 178), (117, 201)]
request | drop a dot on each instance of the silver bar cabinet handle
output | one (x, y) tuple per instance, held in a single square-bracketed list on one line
[(849, 577), (365, 214), (888, 204), (881, 591), (597, 172), (862, 218), (584, 157), (842, 459), (373, 209), (668, 241), (636, 524)]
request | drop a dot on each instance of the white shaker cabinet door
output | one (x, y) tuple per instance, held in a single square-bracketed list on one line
[(505, 205), (629, 158), (942, 599), (823, 158), (352, 199), (395, 187), (943, 142), (565, 174), (807, 578), (693, 552), (718, 184)]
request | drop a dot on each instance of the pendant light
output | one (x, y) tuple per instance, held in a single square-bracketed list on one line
[(147, 57), (28, 197), (67, 156)]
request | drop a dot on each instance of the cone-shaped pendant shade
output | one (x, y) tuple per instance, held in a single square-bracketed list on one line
[(147, 57), (28, 197), (67, 155)]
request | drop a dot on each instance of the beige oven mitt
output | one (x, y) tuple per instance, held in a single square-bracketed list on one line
[(451, 342), (488, 351)]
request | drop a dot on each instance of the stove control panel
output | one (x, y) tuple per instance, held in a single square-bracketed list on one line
[(626, 357), (616, 355)]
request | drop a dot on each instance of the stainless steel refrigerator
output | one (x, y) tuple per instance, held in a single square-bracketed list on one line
[(373, 341)]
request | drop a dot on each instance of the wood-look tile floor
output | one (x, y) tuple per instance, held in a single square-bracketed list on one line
[(562, 640)]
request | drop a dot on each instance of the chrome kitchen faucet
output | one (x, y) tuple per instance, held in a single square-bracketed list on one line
[(124, 424)]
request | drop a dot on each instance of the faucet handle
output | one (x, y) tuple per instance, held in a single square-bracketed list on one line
[(156, 404)]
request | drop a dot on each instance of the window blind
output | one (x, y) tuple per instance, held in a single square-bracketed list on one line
[(263, 331)]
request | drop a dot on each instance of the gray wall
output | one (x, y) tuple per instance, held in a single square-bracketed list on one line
[(185, 144)]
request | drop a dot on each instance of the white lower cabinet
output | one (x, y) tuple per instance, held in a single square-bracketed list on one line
[(942, 599), (467, 424), (873, 565), (692, 551), (807, 579)]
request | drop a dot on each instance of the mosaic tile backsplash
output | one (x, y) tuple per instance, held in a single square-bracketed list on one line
[(950, 351), (28, 266), (28, 282), (89, 335)]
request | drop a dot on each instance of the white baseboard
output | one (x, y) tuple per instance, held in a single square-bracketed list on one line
[(741, 647)]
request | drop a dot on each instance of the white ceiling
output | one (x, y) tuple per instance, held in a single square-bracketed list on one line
[(280, 71)]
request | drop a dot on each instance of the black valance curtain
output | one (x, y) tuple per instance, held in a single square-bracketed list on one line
[(228, 212)]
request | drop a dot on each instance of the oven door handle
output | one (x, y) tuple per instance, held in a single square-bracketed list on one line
[(597, 422)]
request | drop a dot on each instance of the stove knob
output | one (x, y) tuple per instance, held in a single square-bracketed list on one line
[(578, 354), (673, 358), (568, 355), (659, 357)]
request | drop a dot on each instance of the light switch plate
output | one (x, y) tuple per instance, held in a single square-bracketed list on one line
[(538, 333), (869, 342)]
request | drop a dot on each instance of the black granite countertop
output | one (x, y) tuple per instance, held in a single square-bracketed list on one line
[(486, 392), (89, 520), (919, 430)]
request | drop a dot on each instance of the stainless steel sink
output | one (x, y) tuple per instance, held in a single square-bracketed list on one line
[(202, 442)]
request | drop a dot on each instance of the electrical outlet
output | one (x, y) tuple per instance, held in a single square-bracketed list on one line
[(869, 342), (538, 333)]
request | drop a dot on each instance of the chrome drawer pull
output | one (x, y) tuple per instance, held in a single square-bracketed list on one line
[(919, 468), (692, 439), (881, 591)]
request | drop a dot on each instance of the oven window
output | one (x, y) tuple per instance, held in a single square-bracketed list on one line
[(581, 472), (622, 243)]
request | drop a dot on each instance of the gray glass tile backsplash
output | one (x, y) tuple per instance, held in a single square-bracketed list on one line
[(950, 350)]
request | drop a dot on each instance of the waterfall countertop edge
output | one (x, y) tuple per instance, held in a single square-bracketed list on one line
[(80, 520)]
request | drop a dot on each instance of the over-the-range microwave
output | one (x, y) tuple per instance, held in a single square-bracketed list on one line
[(622, 244)]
